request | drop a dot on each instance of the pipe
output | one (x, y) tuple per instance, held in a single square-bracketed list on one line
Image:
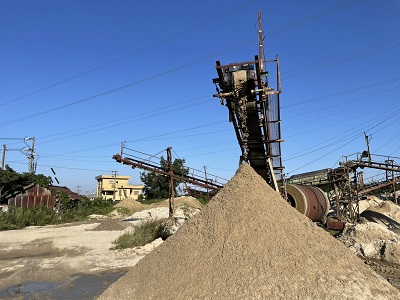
[(309, 200)]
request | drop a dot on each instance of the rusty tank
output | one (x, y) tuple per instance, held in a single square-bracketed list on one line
[(309, 200)]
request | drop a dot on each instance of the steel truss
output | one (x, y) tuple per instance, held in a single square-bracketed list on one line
[(210, 183)]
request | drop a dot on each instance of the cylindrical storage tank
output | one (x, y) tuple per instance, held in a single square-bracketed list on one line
[(309, 200)]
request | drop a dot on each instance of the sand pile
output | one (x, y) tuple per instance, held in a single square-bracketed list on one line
[(248, 243), (131, 204), (388, 208), (187, 200), (110, 225), (383, 212), (135, 206), (372, 240)]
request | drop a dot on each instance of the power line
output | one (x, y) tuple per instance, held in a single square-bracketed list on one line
[(132, 53), (380, 93), (183, 136), (340, 60), (181, 130), (392, 139), (292, 25), (125, 86), (214, 152), (114, 123), (70, 168), (395, 151), (145, 115), (73, 158), (340, 121), (343, 92), (196, 127), (377, 123), (207, 146), (312, 17), (145, 138), (323, 156)]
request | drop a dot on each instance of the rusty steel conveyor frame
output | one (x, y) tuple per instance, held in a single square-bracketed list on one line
[(143, 165), (254, 110)]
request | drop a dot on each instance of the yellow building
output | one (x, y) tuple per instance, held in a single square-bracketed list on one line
[(116, 188)]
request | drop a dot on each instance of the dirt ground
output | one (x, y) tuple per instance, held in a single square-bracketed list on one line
[(248, 243), (389, 271), (74, 261), (50, 258), (70, 261)]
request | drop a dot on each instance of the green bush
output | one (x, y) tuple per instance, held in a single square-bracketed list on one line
[(96, 206), (142, 234), (124, 210), (39, 215), (203, 201), (150, 201), (20, 217)]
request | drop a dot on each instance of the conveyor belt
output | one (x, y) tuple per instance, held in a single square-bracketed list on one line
[(256, 125)]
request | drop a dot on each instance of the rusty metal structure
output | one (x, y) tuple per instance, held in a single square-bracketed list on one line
[(254, 110), (207, 184), (34, 194), (348, 183), (311, 201), (345, 185), (31, 196)]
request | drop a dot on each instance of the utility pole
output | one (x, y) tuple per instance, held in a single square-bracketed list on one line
[(115, 183), (3, 156), (171, 176), (205, 176), (260, 42), (367, 141), (31, 155)]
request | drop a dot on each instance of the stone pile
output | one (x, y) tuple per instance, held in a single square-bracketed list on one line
[(110, 225), (384, 212), (373, 241)]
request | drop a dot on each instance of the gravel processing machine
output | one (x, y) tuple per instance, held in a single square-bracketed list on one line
[(254, 110)]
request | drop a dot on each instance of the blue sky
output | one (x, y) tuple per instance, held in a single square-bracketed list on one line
[(83, 76)]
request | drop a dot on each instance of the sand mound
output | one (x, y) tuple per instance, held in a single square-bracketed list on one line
[(248, 243), (189, 201), (182, 200), (135, 206), (110, 225), (383, 212), (388, 208), (385, 207), (372, 240), (131, 204)]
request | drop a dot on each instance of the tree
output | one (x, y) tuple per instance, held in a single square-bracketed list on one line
[(40, 179), (12, 181), (157, 186)]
